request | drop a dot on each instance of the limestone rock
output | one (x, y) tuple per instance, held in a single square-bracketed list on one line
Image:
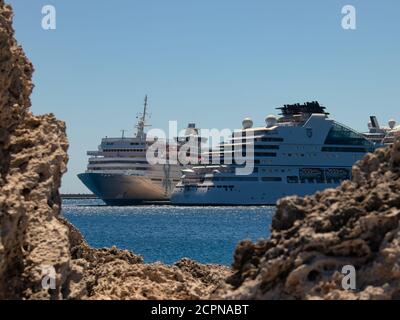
[(314, 237), (104, 274), (32, 159), (34, 239)]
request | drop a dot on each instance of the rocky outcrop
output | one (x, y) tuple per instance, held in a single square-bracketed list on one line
[(32, 159), (104, 274), (35, 242), (313, 238)]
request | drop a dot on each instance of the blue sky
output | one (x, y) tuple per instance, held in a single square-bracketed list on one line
[(207, 61)]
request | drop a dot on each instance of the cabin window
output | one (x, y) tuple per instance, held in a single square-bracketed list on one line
[(265, 154), (344, 149), (269, 139), (235, 179), (274, 147), (293, 179), (271, 179)]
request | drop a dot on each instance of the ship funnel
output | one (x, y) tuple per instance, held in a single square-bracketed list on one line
[(191, 130), (374, 122), (271, 121), (392, 123), (247, 123)]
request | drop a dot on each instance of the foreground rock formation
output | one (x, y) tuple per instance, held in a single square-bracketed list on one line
[(33, 239), (32, 159), (119, 274), (312, 239)]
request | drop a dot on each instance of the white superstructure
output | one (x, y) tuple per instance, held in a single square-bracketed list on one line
[(299, 153), (120, 174), (382, 135)]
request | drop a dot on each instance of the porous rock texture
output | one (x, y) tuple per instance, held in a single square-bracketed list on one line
[(119, 274), (32, 158), (34, 239), (313, 238)]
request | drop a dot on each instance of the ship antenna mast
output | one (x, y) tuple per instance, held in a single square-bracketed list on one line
[(142, 122), (145, 109)]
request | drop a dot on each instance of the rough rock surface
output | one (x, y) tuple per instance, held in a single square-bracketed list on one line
[(314, 237), (33, 157), (119, 274)]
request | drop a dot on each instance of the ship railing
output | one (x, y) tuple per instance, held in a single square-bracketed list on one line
[(93, 153)]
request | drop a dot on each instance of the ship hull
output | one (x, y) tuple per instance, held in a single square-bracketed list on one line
[(244, 194), (125, 190)]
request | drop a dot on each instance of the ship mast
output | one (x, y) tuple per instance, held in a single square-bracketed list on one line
[(142, 121), (144, 109)]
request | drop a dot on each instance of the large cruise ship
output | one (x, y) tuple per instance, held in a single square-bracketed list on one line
[(119, 172), (299, 153), (382, 135)]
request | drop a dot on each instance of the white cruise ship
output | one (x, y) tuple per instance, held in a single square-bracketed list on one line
[(382, 135), (299, 153), (120, 174)]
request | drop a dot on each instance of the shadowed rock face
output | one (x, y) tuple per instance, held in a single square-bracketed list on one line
[(314, 237), (33, 157)]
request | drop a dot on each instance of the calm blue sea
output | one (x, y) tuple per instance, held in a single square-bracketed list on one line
[(169, 233)]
